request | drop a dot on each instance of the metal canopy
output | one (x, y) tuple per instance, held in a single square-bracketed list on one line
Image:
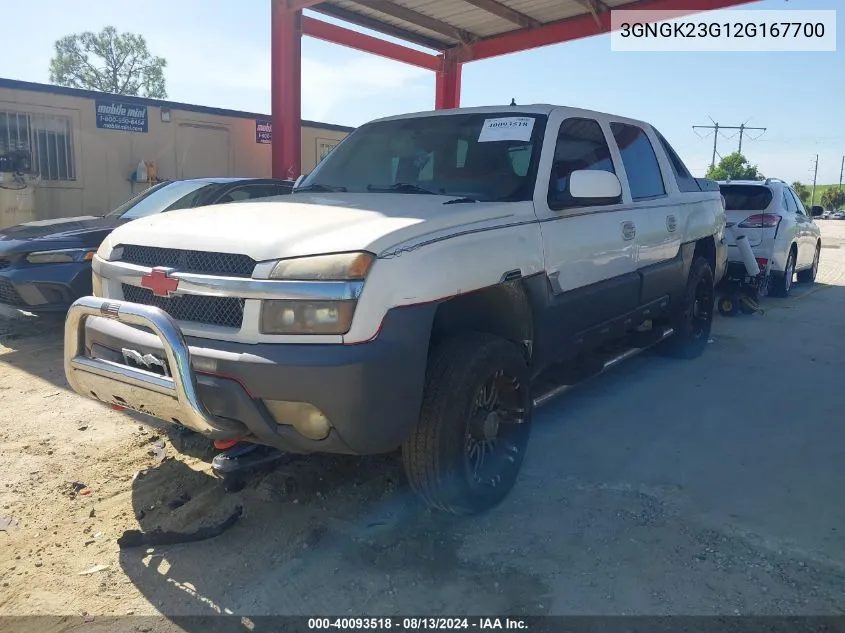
[(460, 31)]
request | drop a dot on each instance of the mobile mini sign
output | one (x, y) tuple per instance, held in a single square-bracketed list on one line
[(125, 117), (263, 131)]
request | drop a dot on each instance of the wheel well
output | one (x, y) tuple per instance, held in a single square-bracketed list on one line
[(706, 248), (503, 310)]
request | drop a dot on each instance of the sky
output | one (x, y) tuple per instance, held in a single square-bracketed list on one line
[(219, 55)]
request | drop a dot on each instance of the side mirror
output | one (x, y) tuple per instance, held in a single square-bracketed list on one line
[(593, 187), (816, 211)]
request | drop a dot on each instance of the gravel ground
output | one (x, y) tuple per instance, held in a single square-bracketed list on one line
[(710, 487)]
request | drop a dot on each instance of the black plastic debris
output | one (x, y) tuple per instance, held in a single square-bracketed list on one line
[(138, 538)]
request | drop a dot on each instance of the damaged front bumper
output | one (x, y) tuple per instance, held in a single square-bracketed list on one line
[(136, 356), (173, 398)]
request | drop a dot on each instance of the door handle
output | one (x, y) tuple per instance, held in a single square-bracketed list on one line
[(629, 231)]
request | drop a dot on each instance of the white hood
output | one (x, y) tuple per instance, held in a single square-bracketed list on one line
[(310, 224)]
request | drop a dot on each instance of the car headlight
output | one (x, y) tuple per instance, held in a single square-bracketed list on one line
[(337, 267), (298, 316), (62, 256)]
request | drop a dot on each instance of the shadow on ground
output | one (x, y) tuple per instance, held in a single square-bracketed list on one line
[(327, 527)]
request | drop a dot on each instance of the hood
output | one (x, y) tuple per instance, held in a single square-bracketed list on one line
[(309, 224), (79, 232)]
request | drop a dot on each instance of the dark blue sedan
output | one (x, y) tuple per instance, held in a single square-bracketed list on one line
[(46, 265)]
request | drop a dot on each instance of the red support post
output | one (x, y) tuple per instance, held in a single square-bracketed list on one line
[(448, 83), (286, 64)]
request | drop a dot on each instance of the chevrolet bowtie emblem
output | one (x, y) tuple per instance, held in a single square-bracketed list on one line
[(159, 281)]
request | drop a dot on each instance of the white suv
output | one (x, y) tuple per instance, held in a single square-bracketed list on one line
[(780, 231)]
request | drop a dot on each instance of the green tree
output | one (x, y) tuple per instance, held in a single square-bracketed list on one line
[(833, 198), (803, 192), (108, 61), (734, 167)]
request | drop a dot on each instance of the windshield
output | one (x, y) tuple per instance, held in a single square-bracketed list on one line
[(166, 196), (489, 157), (746, 197)]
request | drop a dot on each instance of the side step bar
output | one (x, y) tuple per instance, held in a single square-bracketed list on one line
[(554, 392)]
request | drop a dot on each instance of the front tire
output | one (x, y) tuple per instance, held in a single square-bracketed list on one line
[(694, 320), (466, 451)]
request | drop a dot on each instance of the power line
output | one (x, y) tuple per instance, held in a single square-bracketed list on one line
[(716, 127)]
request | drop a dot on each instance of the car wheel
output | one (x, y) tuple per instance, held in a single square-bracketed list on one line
[(809, 276), (466, 451), (694, 320), (728, 305), (781, 283)]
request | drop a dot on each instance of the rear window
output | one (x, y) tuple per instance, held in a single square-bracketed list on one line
[(746, 197)]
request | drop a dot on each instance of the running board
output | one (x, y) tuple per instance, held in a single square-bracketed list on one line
[(553, 393)]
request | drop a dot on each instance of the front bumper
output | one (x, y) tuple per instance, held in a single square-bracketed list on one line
[(370, 392), (46, 287)]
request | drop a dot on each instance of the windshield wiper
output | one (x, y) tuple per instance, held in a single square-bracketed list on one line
[(463, 200), (400, 187), (318, 187)]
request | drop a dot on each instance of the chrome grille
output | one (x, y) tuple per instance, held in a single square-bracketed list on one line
[(202, 262), (223, 311), (8, 294)]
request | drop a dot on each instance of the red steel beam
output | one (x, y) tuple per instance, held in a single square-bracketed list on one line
[(286, 50), (298, 5), (575, 28), (368, 44), (448, 84)]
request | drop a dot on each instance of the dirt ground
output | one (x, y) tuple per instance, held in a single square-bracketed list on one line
[(710, 487)]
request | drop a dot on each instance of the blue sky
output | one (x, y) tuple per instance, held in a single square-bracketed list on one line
[(219, 55)]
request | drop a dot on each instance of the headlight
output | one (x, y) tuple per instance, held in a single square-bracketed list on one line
[(290, 316), (338, 267), (296, 316), (61, 256)]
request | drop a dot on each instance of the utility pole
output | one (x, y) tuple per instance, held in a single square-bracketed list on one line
[(841, 169), (716, 127), (815, 173)]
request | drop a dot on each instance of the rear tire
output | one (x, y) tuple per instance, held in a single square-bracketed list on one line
[(781, 283), (694, 319), (809, 276), (466, 451)]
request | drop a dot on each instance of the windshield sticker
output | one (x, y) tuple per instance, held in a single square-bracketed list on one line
[(511, 128)]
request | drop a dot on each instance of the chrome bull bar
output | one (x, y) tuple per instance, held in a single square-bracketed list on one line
[(171, 398)]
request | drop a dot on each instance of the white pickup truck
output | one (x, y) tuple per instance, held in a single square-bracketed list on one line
[(411, 293)]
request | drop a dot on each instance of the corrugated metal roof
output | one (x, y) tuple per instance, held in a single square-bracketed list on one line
[(443, 24)]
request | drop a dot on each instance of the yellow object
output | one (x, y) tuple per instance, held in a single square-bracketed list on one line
[(152, 172)]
